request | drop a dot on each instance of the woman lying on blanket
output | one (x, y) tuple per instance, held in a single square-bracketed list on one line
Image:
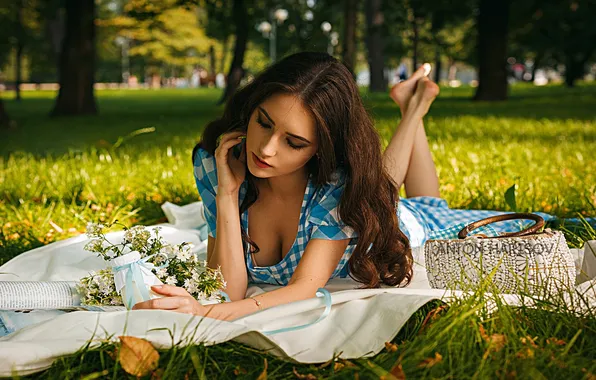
[(297, 154)]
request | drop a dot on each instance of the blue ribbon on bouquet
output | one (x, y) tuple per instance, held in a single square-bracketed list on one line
[(134, 273), (321, 292)]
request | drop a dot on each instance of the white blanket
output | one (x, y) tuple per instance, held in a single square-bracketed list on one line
[(359, 324)]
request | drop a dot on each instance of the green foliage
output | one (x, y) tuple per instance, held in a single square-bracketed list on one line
[(163, 33), (555, 32)]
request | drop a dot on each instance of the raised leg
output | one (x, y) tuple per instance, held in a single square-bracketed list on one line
[(421, 175), (407, 157)]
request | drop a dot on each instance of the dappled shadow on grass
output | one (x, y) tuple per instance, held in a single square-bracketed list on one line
[(179, 116), (563, 106)]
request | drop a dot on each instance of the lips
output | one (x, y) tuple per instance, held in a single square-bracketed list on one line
[(259, 162)]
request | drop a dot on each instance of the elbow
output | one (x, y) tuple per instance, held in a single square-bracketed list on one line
[(236, 293)]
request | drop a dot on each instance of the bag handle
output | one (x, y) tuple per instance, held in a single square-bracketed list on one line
[(497, 218)]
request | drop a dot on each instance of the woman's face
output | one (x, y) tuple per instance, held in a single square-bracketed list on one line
[(281, 132)]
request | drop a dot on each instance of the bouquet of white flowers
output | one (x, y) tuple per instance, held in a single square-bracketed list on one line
[(143, 259)]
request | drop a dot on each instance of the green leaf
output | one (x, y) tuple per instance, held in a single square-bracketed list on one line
[(510, 198)]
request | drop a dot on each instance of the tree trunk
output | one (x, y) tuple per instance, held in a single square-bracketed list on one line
[(349, 42), (492, 23), (437, 68), (20, 33), (574, 69), (374, 44), (77, 61), (438, 23), (452, 74), (236, 73), (212, 62), (18, 70), (224, 56), (537, 62), (415, 44), (4, 119)]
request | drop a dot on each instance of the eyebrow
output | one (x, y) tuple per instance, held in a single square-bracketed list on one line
[(288, 133)]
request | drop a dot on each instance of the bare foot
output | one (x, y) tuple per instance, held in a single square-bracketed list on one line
[(402, 93), (424, 95)]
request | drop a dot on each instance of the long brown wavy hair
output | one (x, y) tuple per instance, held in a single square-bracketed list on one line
[(347, 139)]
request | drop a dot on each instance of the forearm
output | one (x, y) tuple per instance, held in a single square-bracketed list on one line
[(398, 153), (228, 251), (233, 310)]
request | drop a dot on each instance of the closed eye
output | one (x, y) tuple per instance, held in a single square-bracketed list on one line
[(267, 126)]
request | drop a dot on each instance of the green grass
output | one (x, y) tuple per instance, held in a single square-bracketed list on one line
[(57, 174)]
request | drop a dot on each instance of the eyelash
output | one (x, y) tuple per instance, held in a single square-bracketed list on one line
[(267, 126)]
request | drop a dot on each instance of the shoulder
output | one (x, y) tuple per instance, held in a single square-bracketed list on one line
[(203, 160), (205, 168)]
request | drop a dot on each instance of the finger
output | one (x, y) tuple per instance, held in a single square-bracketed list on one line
[(166, 303), (230, 136), (225, 147), (185, 310), (170, 290)]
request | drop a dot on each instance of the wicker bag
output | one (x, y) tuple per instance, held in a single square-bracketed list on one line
[(527, 261)]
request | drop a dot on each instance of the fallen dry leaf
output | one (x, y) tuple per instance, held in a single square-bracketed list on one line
[(157, 374), (263, 375), (398, 372), (391, 347), (429, 362), (432, 315), (137, 356), (529, 340), (338, 367), (239, 371), (495, 341), (348, 363), (556, 341), (526, 353), (332, 360), (308, 376)]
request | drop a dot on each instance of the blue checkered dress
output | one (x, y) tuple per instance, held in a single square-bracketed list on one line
[(420, 218)]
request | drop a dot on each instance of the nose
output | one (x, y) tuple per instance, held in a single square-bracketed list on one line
[(268, 146)]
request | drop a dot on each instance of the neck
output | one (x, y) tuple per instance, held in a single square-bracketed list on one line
[(284, 187)]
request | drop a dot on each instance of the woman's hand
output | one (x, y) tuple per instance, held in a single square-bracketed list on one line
[(230, 170), (415, 93), (178, 299)]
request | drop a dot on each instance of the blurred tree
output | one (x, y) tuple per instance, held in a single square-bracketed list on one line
[(217, 23), (450, 22), (375, 47), (492, 24), (551, 32), (428, 31), (19, 45), (165, 33), (349, 37), (4, 119), (396, 14), (21, 28), (77, 61), (236, 71)]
